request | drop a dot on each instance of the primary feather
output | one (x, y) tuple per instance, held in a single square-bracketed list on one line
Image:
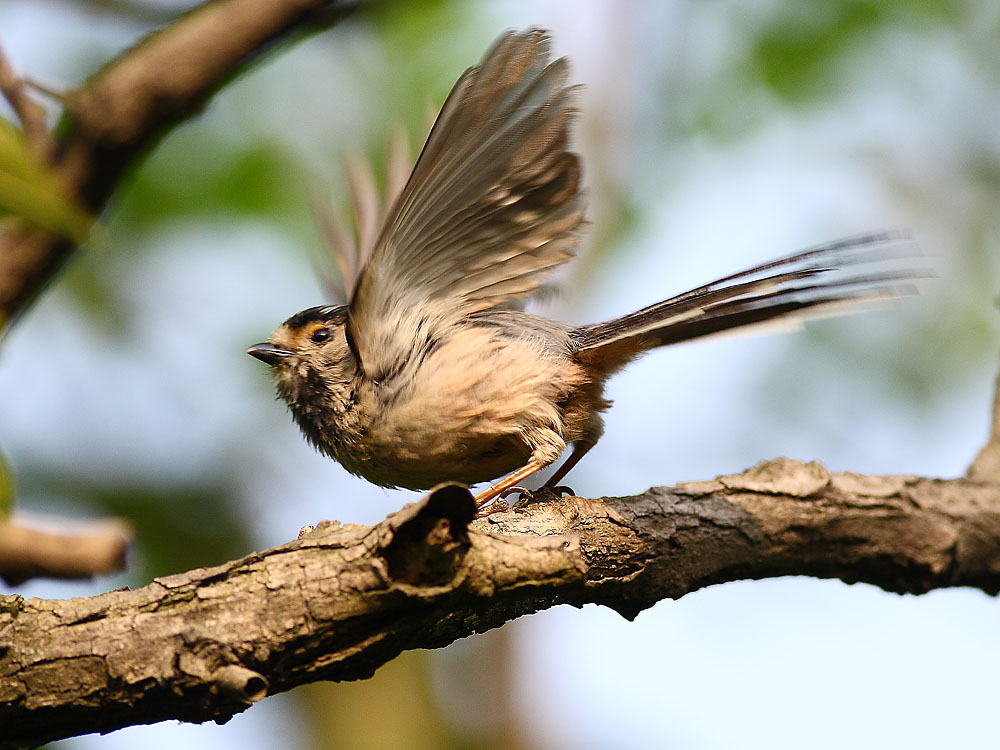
[(491, 208)]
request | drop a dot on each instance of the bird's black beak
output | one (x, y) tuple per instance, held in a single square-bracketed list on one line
[(268, 353)]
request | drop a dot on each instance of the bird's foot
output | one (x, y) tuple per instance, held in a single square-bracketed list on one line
[(497, 506), (500, 504), (524, 493)]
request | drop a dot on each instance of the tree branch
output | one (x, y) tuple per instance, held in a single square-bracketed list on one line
[(133, 102), (29, 112), (342, 600), (28, 553)]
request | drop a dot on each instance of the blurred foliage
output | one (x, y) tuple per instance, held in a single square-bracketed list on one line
[(795, 55), (424, 46), (795, 58), (177, 527), (252, 179), (799, 55), (29, 191), (344, 712), (7, 488), (407, 31)]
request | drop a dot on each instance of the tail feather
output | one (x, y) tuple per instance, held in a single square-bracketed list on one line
[(835, 279)]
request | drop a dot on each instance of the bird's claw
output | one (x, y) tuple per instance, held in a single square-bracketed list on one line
[(497, 506), (525, 494), (500, 504)]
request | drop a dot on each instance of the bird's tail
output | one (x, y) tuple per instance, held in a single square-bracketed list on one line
[(836, 279)]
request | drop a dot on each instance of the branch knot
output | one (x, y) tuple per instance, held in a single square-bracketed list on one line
[(431, 537)]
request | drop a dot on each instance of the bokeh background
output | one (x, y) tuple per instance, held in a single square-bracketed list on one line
[(715, 135)]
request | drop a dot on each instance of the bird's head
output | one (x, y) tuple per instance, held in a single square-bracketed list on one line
[(310, 355)]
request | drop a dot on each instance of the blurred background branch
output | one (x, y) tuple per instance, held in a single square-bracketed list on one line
[(986, 467), (29, 112), (27, 553)]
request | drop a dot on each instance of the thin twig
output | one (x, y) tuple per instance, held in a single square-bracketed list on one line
[(986, 467), (30, 113)]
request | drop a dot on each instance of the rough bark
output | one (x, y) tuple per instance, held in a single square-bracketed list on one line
[(342, 600)]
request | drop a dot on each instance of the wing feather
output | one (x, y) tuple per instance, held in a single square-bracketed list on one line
[(492, 207)]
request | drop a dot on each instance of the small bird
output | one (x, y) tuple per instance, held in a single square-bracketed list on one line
[(432, 371)]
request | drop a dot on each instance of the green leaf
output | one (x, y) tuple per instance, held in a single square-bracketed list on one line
[(29, 191)]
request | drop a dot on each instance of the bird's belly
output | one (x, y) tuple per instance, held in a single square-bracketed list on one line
[(421, 464), (471, 412)]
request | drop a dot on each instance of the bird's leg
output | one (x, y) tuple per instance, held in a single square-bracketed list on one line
[(509, 481), (580, 449)]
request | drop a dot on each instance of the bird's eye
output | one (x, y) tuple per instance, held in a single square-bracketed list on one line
[(319, 334)]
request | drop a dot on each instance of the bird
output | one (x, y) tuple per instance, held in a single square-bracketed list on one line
[(432, 371)]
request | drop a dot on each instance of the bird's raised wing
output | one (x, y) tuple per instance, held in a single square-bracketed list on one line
[(493, 206)]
